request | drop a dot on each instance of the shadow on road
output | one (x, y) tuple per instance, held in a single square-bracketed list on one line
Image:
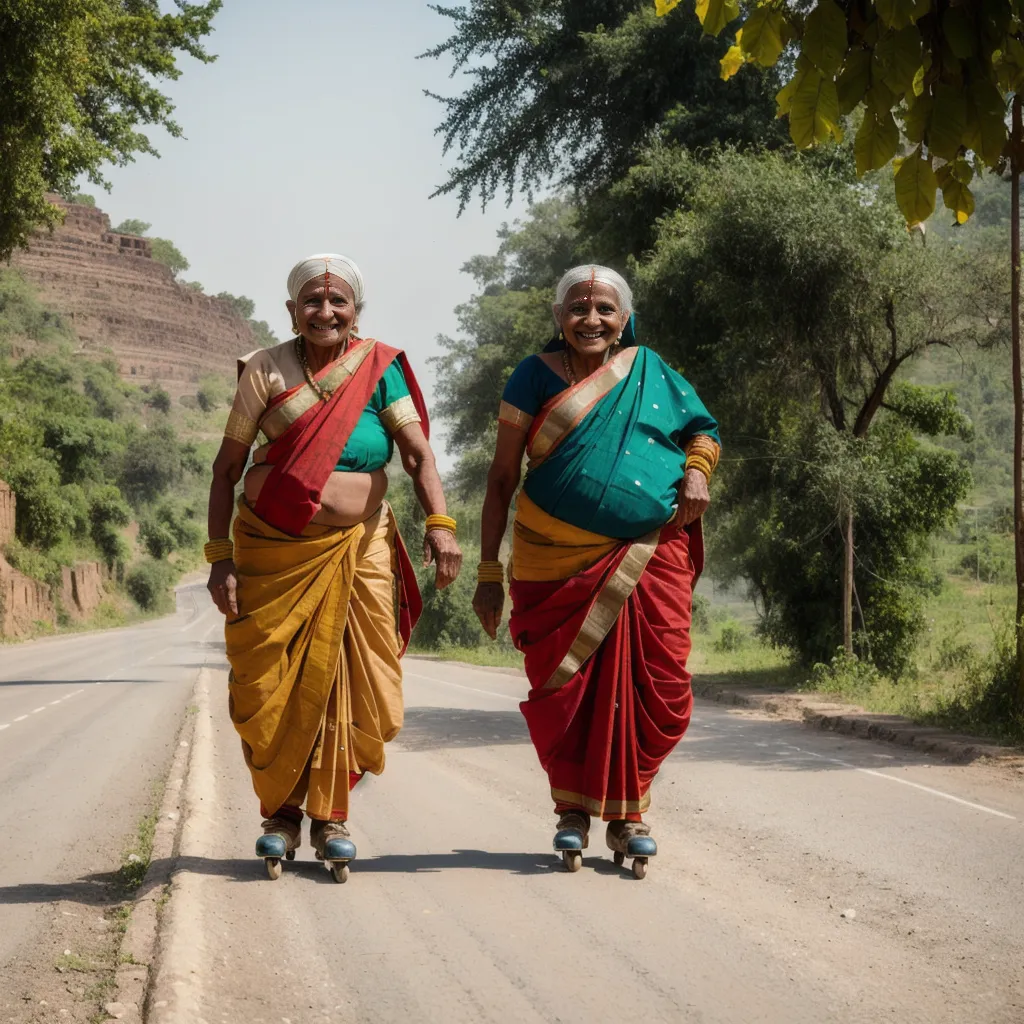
[(92, 890), (439, 728)]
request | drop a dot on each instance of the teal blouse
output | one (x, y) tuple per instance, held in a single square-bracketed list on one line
[(371, 445)]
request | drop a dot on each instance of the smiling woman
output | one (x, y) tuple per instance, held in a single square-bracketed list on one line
[(317, 586), (606, 548)]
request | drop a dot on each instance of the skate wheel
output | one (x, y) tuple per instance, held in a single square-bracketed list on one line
[(619, 858), (340, 871), (573, 860), (290, 855), (273, 867), (640, 867)]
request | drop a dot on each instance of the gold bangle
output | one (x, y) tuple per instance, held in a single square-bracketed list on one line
[(437, 521), (700, 465), (219, 550), (490, 572)]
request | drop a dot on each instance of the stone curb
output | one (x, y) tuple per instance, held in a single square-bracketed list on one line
[(139, 944), (815, 710)]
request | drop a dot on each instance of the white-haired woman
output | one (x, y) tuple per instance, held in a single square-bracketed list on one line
[(606, 548), (316, 585)]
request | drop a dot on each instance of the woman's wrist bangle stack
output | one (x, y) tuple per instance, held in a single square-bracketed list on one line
[(700, 464), (440, 522), (219, 550), (490, 572)]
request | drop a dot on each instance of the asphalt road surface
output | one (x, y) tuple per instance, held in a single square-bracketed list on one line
[(87, 723), (802, 878)]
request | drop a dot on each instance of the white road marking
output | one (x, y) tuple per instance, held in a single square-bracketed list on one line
[(21, 718), (904, 782), (6, 725), (471, 689), (57, 701), (37, 710)]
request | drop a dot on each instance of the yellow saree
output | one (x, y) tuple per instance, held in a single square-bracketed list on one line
[(316, 686)]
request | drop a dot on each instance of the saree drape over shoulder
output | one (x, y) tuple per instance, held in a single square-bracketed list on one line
[(602, 581), (324, 612)]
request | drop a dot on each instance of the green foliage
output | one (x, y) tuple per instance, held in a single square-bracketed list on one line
[(77, 80), (170, 527), (133, 226), (946, 73), (265, 337), (82, 199), (24, 318), (845, 675), (149, 585), (169, 255), (157, 398), (108, 514), (574, 91), (243, 306), (700, 614), (152, 462)]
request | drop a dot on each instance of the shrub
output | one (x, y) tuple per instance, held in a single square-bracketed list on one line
[(845, 674), (700, 615), (159, 399), (730, 639), (149, 585)]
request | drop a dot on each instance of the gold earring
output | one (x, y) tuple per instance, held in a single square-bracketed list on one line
[(561, 335), (295, 327)]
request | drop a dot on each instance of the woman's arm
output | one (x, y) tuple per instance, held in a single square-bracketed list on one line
[(227, 471), (502, 481), (439, 546), (702, 452)]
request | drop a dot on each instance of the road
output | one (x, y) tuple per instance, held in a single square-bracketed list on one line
[(87, 723), (803, 878)]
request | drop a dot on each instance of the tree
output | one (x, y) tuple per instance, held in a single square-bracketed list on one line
[(169, 255), (243, 305), (933, 77), (133, 226), (570, 91), (797, 303), (77, 80)]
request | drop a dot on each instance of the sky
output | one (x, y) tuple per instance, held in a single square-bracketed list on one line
[(310, 133)]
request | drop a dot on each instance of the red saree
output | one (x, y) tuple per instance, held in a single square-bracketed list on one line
[(604, 625)]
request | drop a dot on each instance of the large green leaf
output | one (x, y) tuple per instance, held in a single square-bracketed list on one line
[(900, 13), (762, 36), (814, 110), (714, 15), (915, 188), (877, 140), (917, 118), (824, 41), (985, 132), (960, 32), (948, 122), (956, 195), (897, 59), (854, 79)]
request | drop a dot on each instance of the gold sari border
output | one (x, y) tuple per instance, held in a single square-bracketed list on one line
[(605, 610), (569, 407), (240, 428), (599, 807), (508, 413), (399, 414), (280, 418)]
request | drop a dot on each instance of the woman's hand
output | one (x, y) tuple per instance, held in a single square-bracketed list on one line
[(223, 586), (489, 603), (693, 497), (441, 549)]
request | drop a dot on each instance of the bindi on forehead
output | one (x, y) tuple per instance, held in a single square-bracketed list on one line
[(592, 291)]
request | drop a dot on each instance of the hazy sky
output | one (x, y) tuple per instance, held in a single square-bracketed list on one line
[(311, 133)]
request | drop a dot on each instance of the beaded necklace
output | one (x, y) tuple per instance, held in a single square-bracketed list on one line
[(300, 351)]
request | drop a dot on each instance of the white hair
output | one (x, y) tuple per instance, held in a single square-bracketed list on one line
[(595, 274), (326, 263)]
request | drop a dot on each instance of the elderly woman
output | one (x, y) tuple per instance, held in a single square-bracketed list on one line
[(317, 587), (606, 549)]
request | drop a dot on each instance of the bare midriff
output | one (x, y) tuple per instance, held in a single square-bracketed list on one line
[(347, 498)]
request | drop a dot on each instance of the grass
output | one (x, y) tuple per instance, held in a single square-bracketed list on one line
[(493, 655), (74, 962)]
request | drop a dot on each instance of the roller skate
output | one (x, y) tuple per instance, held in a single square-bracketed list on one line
[(333, 845), (281, 838), (572, 838), (631, 839)]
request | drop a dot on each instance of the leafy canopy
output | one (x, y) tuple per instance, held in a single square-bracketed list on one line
[(571, 91), (929, 77), (77, 79)]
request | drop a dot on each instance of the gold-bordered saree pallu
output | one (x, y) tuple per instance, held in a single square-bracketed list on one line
[(604, 625), (316, 684)]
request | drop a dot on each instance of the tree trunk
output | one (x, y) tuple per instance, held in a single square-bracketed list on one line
[(1018, 394), (848, 582)]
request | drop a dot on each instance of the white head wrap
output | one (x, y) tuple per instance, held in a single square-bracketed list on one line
[(321, 264), (591, 272)]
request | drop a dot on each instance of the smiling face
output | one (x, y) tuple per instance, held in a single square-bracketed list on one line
[(325, 311), (591, 318)]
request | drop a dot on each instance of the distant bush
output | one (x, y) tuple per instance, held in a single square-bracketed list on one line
[(731, 638), (846, 675), (159, 399), (149, 585), (700, 615), (169, 528)]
